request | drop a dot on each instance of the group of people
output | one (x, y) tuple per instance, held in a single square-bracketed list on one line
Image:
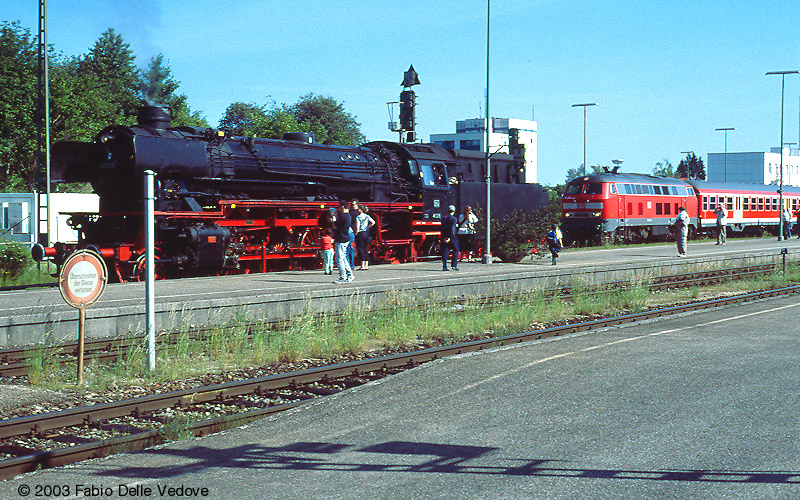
[(351, 226), (457, 236)]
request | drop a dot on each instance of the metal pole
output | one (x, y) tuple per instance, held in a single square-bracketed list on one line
[(487, 258), (149, 258), (780, 190), (584, 106), (726, 129), (81, 337)]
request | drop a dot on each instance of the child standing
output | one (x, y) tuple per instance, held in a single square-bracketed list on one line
[(327, 253)]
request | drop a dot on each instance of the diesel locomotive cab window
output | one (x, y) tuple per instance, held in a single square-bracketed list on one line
[(594, 188), (574, 188)]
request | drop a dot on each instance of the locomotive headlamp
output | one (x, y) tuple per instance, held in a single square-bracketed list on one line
[(233, 205)]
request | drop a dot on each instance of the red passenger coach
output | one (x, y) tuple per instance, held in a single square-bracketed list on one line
[(624, 207), (750, 208)]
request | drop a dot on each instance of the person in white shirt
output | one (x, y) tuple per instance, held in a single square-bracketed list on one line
[(466, 232), (722, 223), (682, 231)]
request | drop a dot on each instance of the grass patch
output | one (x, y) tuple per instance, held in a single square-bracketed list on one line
[(400, 321)]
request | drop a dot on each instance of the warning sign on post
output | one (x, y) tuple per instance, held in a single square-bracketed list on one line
[(83, 278)]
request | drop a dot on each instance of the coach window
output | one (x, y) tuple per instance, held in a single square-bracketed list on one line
[(659, 209), (761, 203), (705, 203), (745, 203), (666, 208), (729, 203)]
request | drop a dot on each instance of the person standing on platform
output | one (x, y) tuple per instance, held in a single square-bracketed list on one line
[(797, 224), (449, 235), (342, 228), (327, 253), (363, 224), (351, 250), (554, 242), (682, 231), (787, 223), (466, 232), (722, 225)]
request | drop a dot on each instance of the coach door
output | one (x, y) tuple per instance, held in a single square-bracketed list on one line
[(734, 207)]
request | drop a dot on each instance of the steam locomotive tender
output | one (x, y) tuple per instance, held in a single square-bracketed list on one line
[(230, 205)]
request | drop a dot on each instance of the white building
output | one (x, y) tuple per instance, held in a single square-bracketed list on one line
[(507, 135), (755, 168), (18, 216)]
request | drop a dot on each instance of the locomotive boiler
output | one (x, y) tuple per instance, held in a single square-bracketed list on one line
[(227, 204)]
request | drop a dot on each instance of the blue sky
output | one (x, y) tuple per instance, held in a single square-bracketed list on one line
[(664, 75)]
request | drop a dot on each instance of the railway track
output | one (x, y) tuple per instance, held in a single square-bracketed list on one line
[(38, 441), (15, 361)]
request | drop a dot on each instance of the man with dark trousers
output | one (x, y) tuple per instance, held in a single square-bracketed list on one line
[(449, 235)]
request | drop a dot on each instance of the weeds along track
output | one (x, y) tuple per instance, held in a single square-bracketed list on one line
[(17, 360), (62, 437)]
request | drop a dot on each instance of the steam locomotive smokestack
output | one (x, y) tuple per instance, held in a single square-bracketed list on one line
[(153, 116)]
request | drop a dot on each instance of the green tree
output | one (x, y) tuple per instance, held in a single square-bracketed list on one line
[(691, 167), (328, 120), (573, 173), (243, 118), (277, 121), (18, 69), (158, 87), (111, 62), (665, 169)]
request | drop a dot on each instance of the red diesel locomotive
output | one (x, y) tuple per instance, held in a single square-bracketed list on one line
[(629, 207)]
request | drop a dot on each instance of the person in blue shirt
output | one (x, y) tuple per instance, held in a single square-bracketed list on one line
[(554, 242)]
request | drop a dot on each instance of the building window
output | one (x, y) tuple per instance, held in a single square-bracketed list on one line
[(470, 145)]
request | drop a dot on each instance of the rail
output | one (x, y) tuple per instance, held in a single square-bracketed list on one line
[(299, 386)]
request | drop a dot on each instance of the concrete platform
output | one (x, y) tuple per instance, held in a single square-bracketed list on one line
[(42, 315), (699, 406)]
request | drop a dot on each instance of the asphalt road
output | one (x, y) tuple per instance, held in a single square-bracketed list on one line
[(699, 406)]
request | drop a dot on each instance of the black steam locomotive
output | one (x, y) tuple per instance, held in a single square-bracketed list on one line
[(228, 205)]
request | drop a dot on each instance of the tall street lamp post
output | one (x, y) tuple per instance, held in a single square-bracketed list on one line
[(584, 106), (725, 178), (487, 257), (780, 190)]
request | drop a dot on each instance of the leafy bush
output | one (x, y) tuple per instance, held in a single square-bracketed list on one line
[(15, 258), (520, 234)]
